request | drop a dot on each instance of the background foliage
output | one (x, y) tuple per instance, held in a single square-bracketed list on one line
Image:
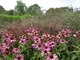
[(50, 20)]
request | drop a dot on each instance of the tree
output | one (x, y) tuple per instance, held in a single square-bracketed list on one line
[(2, 10), (55, 11), (50, 11), (20, 8), (66, 9), (10, 12), (34, 10)]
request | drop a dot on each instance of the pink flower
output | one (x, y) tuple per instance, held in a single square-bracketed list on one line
[(78, 32), (4, 47), (45, 52), (13, 41), (34, 45), (9, 38), (74, 35), (47, 48), (62, 41), (19, 57), (23, 41), (58, 36), (16, 50), (36, 39), (37, 46), (52, 44), (46, 35), (52, 57)]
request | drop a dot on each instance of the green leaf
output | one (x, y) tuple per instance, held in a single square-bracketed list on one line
[(73, 57), (68, 58)]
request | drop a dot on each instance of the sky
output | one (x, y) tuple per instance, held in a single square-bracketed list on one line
[(44, 4)]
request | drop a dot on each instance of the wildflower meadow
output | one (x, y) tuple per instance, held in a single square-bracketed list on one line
[(39, 29), (34, 45)]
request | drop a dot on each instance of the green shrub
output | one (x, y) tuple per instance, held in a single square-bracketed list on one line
[(10, 18)]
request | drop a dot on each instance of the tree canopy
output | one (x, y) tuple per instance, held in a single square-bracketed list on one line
[(20, 8), (34, 10), (2, 10)]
